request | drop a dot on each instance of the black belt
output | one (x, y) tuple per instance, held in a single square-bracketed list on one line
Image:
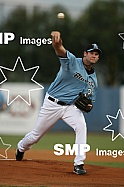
[(58, 102)]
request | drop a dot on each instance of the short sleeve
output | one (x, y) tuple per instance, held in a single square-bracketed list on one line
[(68, 62)]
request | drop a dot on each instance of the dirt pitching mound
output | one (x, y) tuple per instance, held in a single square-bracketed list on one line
[(51, 173)]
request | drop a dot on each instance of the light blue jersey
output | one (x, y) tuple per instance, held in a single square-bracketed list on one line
[(72, 79)]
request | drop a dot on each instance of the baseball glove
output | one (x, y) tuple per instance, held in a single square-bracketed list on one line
[(83, 103)]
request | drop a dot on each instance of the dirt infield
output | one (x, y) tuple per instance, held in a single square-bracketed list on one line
[(41, 169)]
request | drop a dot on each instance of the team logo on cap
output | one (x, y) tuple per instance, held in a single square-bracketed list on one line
[(95, 46)]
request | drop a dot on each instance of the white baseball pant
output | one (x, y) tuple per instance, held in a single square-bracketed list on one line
[(49, 114)]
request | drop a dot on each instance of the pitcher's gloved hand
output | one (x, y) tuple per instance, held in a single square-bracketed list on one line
[(83, 103)]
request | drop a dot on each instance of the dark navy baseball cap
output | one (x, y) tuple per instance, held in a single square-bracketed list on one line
[(93, 47)]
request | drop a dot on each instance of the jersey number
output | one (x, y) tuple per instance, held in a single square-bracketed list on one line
[(89, 91)]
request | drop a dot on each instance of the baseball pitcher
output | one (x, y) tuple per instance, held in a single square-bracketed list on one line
[(70, 94)]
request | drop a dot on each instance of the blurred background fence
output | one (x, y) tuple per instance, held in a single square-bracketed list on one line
[(19, 118)]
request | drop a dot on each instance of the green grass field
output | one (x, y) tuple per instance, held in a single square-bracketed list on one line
[(95, 140)]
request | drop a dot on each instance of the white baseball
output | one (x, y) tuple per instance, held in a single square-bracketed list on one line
[(61, 15)]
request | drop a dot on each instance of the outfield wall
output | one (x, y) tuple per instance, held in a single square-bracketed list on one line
[(19, 118)]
